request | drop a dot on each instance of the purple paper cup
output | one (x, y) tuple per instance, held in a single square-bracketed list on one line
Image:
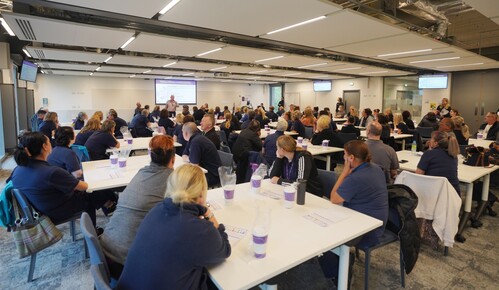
[(113, 159), (300, 140), (304, 146), (256, 181), (260, 245), (289, 196), (130, 141), (122, 162), (325, 143)]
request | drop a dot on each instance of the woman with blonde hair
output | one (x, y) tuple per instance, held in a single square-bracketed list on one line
[(180, 234), (324, 132), (92, 125), (98, 115), (399, 123), (293, 163), (443, 110), (308, 118), (353, 112), (461, 130), (261, 117), (441, 160), (229, 125), (296, 124)]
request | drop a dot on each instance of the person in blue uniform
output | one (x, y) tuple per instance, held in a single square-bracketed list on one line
[(62, 156), (101, 140), (113, 116)]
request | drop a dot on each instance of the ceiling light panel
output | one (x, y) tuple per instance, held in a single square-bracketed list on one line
[(292, 60), (355, 27), (108, 68), (63, 32), (440, 53), (242, 54), (168, 72), (151, 43), (111, 75), (66, 66), (68, 55), (69, 73), (139, 61), (135, 8), (239, 16), (442, 65), (392, 44), (196, 65)]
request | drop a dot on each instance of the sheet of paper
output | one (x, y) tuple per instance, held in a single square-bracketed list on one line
[(272, 193), (214, 205), (324, 218), (235, 233)]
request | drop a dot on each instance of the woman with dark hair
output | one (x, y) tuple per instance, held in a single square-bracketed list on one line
[(164, 120), (217, 113), (87, 131), (101, 140), (441, 159), (293, 163), (64, 157), (406, 117), (51, 190), (154, 115), (80, 120), (384, 121), (180, 234), (361, 186), (248, 140), (367, 118), (133, 204), (430, 120), (49, 125), (177, 134)]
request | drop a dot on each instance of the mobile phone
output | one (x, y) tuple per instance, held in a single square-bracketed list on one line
[(403, 161)]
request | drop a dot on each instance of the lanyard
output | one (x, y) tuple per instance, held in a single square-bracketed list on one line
[(288, 169)]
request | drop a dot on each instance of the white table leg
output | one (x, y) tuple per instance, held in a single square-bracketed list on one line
[(469, 197), (343, 252), (328, 162), (485, 188), (403, 143)]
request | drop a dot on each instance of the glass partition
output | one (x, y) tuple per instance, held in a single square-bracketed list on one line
[(402, 93)]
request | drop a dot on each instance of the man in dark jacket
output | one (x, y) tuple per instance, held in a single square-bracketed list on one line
[(208, 129), (490, 127), (271, 114)]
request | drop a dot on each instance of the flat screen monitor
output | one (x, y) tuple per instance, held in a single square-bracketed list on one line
[(185, 92), (322, 86), (433, 81), (28, 71)]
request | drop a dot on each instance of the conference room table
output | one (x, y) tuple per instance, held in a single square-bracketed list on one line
[(264, 134), (336, 120), (402, 137), (100, 175), (465, 173), (322, 152), (139, 143), (480, 142), (295, 236)]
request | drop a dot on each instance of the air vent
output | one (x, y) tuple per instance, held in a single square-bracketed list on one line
[(40, 53), (45, 65), (26, 29)]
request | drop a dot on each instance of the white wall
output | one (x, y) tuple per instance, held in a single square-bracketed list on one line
[(67, 95), (371, 92)]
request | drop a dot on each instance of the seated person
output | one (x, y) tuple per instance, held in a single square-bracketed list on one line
[(461, 130), (406, 116), (199, 150), (324, 133), (382, 154), (87, 131), (198, 113), (341, 112), (145, 190), (49, 125), (296, 124), (399, 123), (80, 120), (177, 133), (261, 117), (248, 140), (361, 187), (140, 123), (180, 234), (208, 129), (366, 118), (101, 140), (230, 125), (430, 120), (441, 159), (271, 114), (349, 126), (164, 120), (62, 155), (113, 116), (293, 163), (270, 143), (308, 118), (250, 117), (50, 189), (490, 127)]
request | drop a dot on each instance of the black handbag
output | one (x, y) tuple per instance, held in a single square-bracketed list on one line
[(32, 232), (477, 156)]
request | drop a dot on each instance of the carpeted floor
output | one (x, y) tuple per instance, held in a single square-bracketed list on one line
[(471, 265)]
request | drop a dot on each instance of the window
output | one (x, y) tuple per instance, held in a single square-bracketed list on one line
[(401, 94), (276, 93)]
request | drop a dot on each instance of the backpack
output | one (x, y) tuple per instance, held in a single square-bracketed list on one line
[(7, 217)]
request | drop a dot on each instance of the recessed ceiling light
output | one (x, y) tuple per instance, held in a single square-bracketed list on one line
[(313, 65), (257, 71), (26, 52), (108, 59), (168, 6), (7, 27), (375, 72), (91, 74), (132, 76), (270, 58), (147, 71), (437, 59), (218, 68), (188, 74), (469, 64), (405, 52), (170, 64), (297, 24), (210, 51), (127, 42), (98, 69), (291, 74), (350, 68)]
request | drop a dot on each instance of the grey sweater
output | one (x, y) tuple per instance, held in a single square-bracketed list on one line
[(146, 189)]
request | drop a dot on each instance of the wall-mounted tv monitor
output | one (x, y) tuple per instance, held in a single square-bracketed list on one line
[(322, 86), (185, 92), (433, 81), (28, 71)]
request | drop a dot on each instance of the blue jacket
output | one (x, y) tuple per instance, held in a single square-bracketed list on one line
[(7, 217)]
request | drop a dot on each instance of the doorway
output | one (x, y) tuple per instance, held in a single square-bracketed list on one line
[(351, 98)]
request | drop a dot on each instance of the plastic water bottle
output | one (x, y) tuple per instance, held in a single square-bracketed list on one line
[(414, 147)]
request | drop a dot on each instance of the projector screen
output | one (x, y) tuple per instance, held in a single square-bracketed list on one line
[(433, 82), (184, 91), (28, 71), (323, 86)]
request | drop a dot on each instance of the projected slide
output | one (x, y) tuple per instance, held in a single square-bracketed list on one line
[(184, 91)]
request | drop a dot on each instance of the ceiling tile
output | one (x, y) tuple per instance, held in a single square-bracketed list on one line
[(241, 54), (68, 55), (58, 65), (135, 8), (139, 61), (253, 18), (107, 68)]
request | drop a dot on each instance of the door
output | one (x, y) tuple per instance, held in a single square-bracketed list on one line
[(351, 98), (276, 93)]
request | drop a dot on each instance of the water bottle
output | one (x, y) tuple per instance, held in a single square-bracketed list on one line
[(414, 147)]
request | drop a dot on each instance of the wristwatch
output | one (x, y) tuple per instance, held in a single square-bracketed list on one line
[(207, 217)]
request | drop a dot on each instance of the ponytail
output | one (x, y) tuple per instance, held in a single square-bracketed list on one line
[(30, 145), (446, 141), (453, 146), (186, 184)]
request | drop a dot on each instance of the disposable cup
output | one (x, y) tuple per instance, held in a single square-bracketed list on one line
[(300, 140), (122, 162), (325, 143), (260, 237), (289, 196), (229, 194), (114, 160), (256, 183)]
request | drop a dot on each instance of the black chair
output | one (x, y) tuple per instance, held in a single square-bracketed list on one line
[(309, 132), (345, 137), (225, 148), (328, 179), (25, 206), (425, 133), (227, 158), (223, 137)]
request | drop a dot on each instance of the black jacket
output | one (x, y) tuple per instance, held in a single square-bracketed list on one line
[(402, 202), (492, 135)]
